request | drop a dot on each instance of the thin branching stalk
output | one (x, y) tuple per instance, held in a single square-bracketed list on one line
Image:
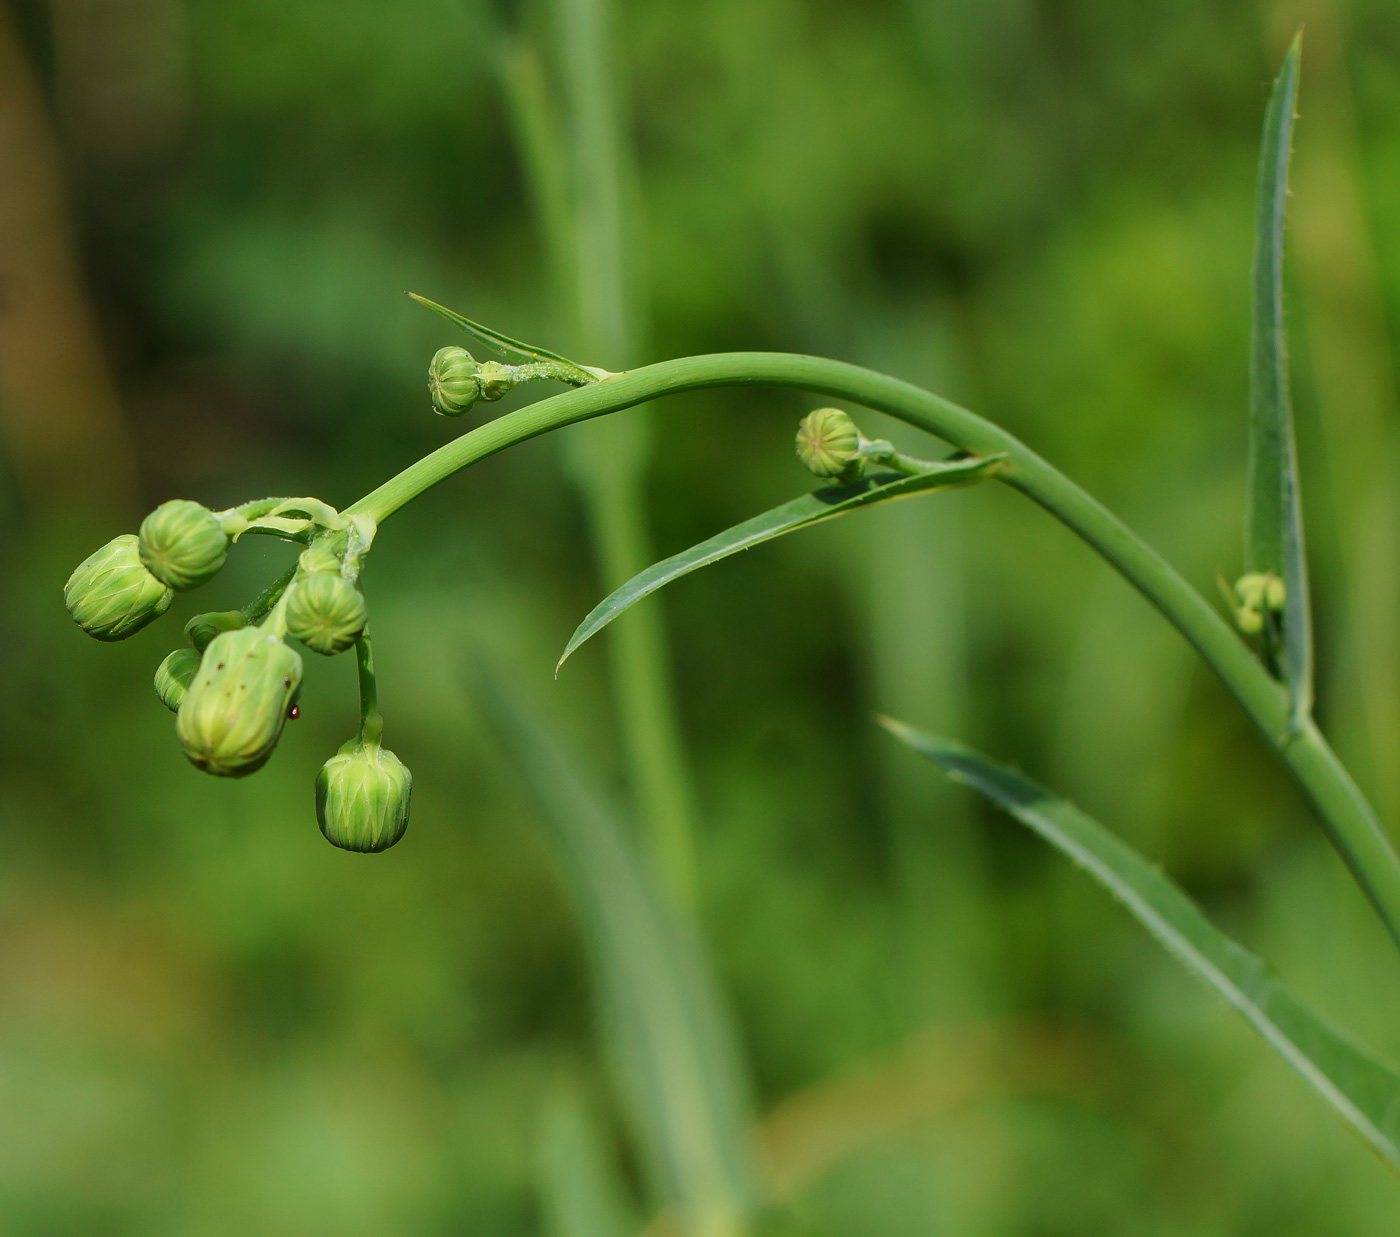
[(1348, 818)]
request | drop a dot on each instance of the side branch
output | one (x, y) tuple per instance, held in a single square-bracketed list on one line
[(1348, 818)]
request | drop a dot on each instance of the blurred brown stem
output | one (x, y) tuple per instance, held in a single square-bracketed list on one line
[(64, 436)]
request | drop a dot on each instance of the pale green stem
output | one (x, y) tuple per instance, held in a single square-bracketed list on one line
[(371, 720), (609, 462), (1348, 818)]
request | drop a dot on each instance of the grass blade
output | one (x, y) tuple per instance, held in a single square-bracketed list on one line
[(1274, 522), (799, 513), (503, 344), (1361, 1088), (580, 1190), (664, 1022)]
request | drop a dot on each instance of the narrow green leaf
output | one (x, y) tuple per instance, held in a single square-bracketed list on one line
[(503, 344), (664, 1023), (1274, 523), (1361, 1088), (799, 513)]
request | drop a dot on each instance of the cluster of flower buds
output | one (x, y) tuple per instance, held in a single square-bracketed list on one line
[(237, 683), (1260, 596), (457, 380)]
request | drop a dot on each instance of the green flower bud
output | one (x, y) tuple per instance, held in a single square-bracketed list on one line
[(111, 595), (495, 380), (318, 558), (362, 796), (828, 444), (326, 613), (1275, 592), (452, 381), (204, 627), (232, 715), (174, 676), (1249, 620), (183, 544)]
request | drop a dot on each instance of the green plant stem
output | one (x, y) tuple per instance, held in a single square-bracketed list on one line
[(1349, 820), (371, 720)]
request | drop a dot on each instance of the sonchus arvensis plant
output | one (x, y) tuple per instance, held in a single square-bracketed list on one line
[(236, 684)]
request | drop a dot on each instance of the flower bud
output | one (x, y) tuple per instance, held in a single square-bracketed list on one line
[(828, 444), (495, 379), (183, 544), (232, 715), (111, 595), (452, 381), (362, 797), (204, 627), (326, 613), (174, 676)]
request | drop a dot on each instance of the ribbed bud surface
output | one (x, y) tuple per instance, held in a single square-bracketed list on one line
[(111, 595), (452, 381), (828, 443), (362, 799), (232, 715), (183, 543), (326, 613)]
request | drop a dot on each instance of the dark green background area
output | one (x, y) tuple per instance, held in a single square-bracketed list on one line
[(211, 1022)]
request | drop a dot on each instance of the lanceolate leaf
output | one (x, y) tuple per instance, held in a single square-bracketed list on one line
[(501, 343), (664, 1023), (1361, 1088), (799, 513), (1274, 522)]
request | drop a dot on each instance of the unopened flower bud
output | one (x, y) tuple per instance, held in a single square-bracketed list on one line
[(362, 798), (452, 381), (174, 676), (1249, 620), (828, 444), (183, 543), (111, 595), (326, 613), (1275, 592), (232, 715), (204, 627), (495, 379), (318, 558)]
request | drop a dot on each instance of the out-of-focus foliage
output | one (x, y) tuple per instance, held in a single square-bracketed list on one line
[(211, 1022)]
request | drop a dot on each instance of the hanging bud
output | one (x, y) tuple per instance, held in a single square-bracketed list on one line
[(174, 676), (111, 595), (183, 543), (362, 797), (201, 629), (326, 613), (232, 715), (452, 381), (828, 444)]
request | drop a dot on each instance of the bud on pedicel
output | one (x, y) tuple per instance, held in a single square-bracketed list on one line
[(828, 444), (232, 715), (452, 381), (183, 543), (362, 797), (326, 613), (174, 676), (111, 595), (204, 627)]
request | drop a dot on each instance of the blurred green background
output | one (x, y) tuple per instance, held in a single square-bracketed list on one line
[(211, 1022)]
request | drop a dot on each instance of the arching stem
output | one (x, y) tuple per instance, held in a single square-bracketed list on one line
[(1348, 818)]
